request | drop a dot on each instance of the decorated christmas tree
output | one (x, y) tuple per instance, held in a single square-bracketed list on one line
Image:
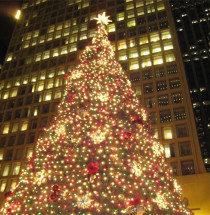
[(97, 157)]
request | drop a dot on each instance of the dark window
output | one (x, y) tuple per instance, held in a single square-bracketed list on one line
[(43, 122), (19, 102), (31, 138), (21, 139), (45, 108), (17, 114), (8, 155), (185, 149), (142, 30), (159, 72), (19, 154), (8, 116), (120, 9), (121, 35), (121, 26), (182, 131), (135, 77), (165, 116), (179, 113), (164, 25), (151, 18), (141, 21), (161, 85), (174, 168), (26, 112), (11, 141), (131, 33), (37, 98), (162, 15), (22, 90), (3, 141), (2, 105), (11, 104), (28, 100), (147, 75), (187, 167), (172, 70), (33, 124), (153, 27)]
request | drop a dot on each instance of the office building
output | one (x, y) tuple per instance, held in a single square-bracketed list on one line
[(192, 25)]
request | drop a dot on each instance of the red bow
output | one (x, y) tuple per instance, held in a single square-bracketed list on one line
[(135, 202), (92, 168)]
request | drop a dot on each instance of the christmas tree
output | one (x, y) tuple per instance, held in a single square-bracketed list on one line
[(98, 156)]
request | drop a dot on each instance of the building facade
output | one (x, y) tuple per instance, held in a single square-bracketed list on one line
[(46, 44), (192, 24)]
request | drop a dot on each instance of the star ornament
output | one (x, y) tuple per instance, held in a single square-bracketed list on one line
[(103, 19)]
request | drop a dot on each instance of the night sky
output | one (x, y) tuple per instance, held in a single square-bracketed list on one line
[(8, 10)]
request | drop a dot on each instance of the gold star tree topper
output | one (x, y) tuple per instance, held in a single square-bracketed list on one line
[(103, 19)]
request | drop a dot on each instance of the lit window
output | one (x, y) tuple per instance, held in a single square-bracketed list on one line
[(13, 184), (66, 32), (5, 95), (15, 127), (6, 128), (120, 16), (73, 48), (157, 60), (169, 150), (132, 42), (25, 80), (160, 6), (36, 33), (6, 170), (64, 50), (49, 37), (16, 169), (134, 64), (154, 37), (48, 96), (122, 45), (146, 62), (33, 78), (133, 53), (9, 57), (131, 23), (49, 84), (140, 11), (38, 57), (167, 133), (149, 2), (111, 27), (29, 152), (34, 42), (129, 6), (170, 57), (40, 86), (42, 76), (143, 40), (1, 155), (168, 45), (57, 94), (83, 36), (130, 14), (46, 55), (137, 90), (67, 24), (144, 51), (42, 39), (55, 52), (85, 4), (92, 17), (150, 9), (13, 92), (24, 126), (156, 47), (74, 30), (3, 185), (61, 72), (165, 34), (139, 4), (122, 55), (51, 74), (59, 27), (91, 33)]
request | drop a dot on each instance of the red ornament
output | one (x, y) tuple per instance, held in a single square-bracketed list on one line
[(70, 97), (8, 194), (9, 210), (135, 202), (126, 135), (56, 188), (32, 161), (137, 120), (53, 197), (92, 168)]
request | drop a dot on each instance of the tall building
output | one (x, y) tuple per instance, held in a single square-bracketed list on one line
[(46, 43), (193, 29)]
